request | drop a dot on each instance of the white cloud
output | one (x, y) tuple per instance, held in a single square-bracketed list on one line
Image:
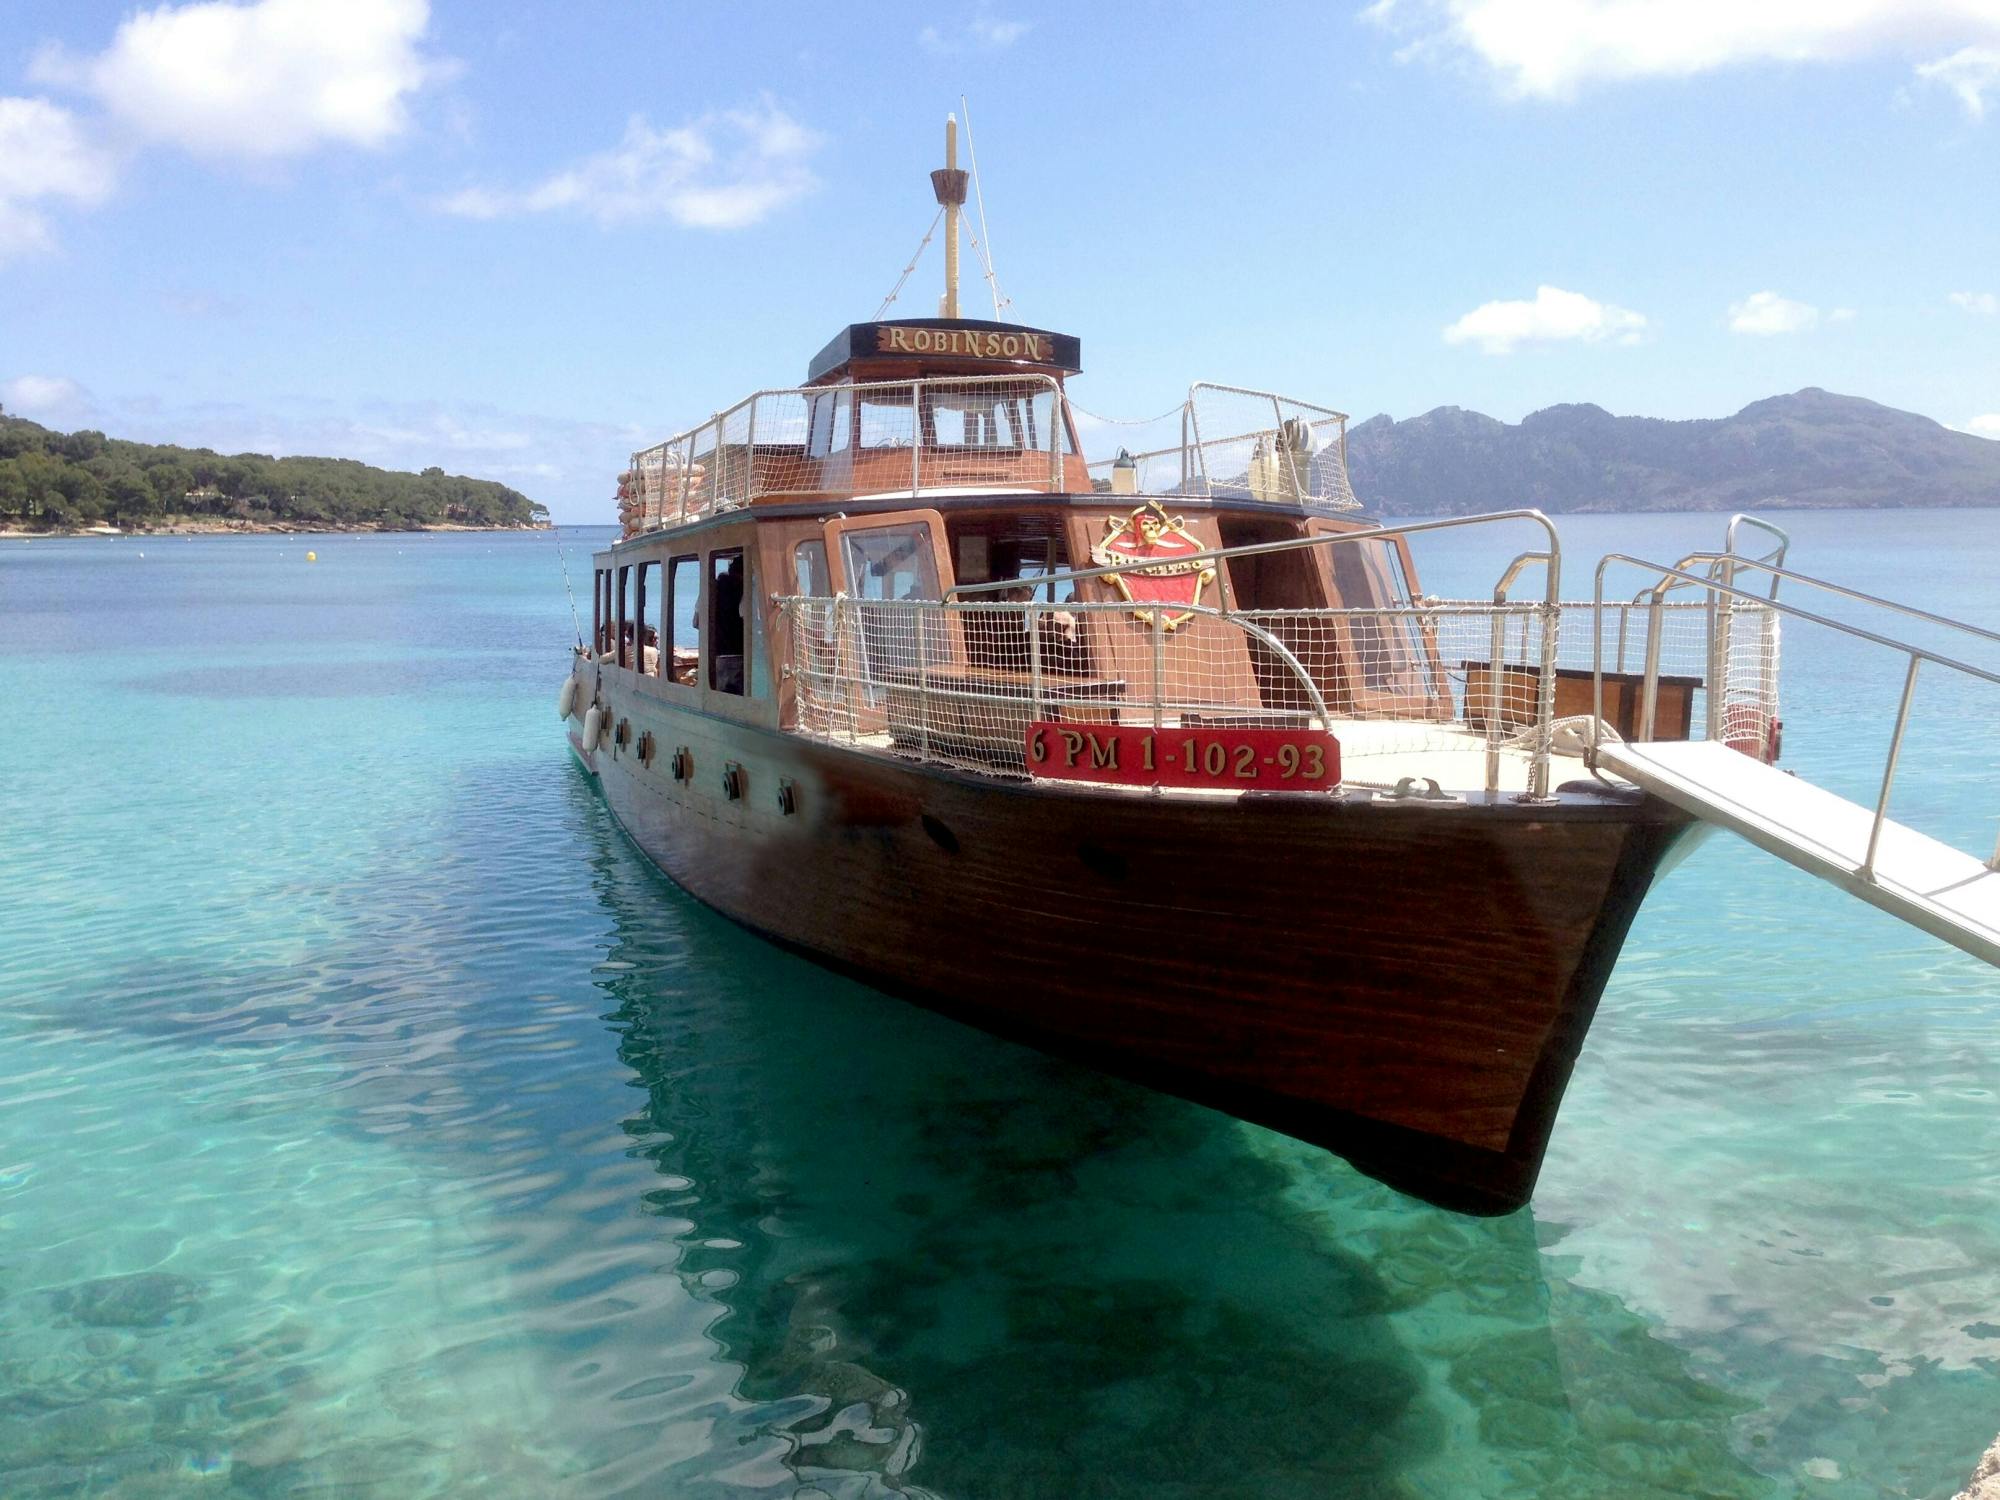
[(1969, 73), (980, 34), (1767, 313), (1983, 303), (1551, 48), (722, 171), (1554, 315), (1986, 426), (44, 154), (263, 80), (1841, 315), (43, 397)]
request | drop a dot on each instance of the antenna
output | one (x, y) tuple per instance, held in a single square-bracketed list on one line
[(949, 185), (982, 245)]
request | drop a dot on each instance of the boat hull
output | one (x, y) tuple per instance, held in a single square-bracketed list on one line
[(1405, 985)]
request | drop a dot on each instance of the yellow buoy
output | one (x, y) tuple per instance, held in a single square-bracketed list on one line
[(312, 557)]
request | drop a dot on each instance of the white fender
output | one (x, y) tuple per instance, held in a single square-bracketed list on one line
[(593, 723), (566, 699)]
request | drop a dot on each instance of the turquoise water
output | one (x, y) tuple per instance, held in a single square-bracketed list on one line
[(375, 1122)]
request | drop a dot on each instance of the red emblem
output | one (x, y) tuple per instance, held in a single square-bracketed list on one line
[(1150, 535)]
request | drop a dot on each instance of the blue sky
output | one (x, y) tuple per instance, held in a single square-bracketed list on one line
[(520, 240)]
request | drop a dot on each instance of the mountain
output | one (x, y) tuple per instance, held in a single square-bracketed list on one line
[(1811, 448), (55, 481)]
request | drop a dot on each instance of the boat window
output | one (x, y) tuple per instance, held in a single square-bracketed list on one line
[(647, 613), (756, 675), (726, 591), (830, 418), (976, 419), (1025, 545), (1369, 576), (887, 419), (1032, 552), (1040, 415), (600, 617), (885, 565), (890, 562), (624, 616), (683, 612), (819, 425), (809, 566)]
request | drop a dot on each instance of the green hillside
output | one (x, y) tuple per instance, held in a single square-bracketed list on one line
[(55, 481)]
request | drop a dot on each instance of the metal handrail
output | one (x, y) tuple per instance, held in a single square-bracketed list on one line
[(1855, 594), (1194, 443), (718, 423), (1550, 608), (1037, 609), (1744, 518), (1917, 655)]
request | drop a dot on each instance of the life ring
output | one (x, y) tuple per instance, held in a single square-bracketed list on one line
[(593, 722), (566, 699)]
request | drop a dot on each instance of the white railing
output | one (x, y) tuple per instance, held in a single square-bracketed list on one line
[(1451, 689), (837, 441), (1236, 443), (1713, 574), (1487, 694)]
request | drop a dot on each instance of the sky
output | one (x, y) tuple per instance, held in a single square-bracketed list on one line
[(520, 241)]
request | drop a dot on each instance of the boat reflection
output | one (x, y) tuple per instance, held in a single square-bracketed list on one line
[(947, 1264)]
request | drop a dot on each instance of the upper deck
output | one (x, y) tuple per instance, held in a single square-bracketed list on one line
[(894, 411)]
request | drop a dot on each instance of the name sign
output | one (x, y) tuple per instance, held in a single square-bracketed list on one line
[(978, 343), (1283, 760)]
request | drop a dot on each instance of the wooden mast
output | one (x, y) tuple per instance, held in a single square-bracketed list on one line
[(949, 185)]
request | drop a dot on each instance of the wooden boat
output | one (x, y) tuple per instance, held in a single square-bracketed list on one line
[(1165, 762)]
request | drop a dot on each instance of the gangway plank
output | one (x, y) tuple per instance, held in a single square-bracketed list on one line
[(1928, 884)]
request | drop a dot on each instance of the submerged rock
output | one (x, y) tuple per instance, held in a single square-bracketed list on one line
[(1985, 1481), (145, 1299)]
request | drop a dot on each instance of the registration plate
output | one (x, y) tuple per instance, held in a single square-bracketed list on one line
[(1287, 760)]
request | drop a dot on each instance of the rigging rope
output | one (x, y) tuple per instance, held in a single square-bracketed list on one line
[(908, 270), (575, 619), (981, 244)]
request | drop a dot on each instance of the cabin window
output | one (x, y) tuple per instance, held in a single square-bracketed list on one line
[(979, 418), (647, 612), (1041, 415), (1031, 551), (809, 567), (830, 420), (726, 662), (683, 604), (600, 623), (890, 562), (884, 565), (1025, 545), (756, 677), (819, 425), (624, 616), (1369, 576), (887, 419)]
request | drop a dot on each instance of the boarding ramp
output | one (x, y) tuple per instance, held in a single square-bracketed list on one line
[(1729, 780)]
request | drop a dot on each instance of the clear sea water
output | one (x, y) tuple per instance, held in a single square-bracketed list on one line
[(374, 1121)]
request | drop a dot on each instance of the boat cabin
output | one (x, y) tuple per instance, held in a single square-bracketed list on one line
[(937, 461)]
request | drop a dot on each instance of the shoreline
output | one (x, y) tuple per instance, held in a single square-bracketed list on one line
[(202, 527)]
